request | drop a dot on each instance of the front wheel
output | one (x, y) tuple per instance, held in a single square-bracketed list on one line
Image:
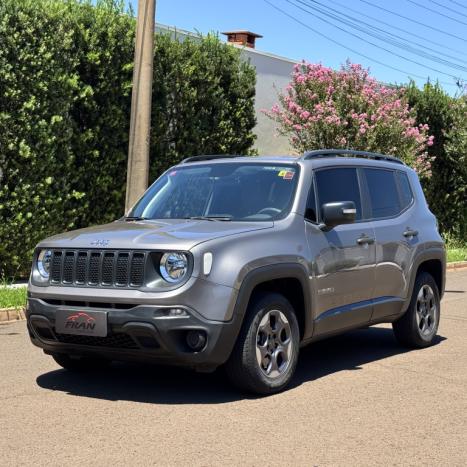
[(266, 352), (418, 326)]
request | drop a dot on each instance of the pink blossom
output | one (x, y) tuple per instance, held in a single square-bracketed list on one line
[(338, 107)]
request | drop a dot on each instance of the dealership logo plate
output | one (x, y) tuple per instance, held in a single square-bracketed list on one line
[(82, 323)]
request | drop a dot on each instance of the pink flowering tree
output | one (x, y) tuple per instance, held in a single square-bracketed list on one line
[(325, 108)]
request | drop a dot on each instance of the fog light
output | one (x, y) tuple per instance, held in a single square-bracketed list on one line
[(196, 340), (177, 312)]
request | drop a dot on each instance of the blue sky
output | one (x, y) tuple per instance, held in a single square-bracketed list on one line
[(292, 38)]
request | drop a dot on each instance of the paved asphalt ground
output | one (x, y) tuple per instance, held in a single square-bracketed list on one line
[(358, 399)]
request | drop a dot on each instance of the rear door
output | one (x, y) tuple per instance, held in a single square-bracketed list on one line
[(390, 198), (344, 257)]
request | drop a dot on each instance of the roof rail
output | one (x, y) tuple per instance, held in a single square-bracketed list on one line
[(320, 153), (210, 157)]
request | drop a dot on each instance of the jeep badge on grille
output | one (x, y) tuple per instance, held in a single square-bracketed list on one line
[(100, 242)]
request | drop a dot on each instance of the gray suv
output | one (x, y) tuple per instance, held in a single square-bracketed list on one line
[(240, 261)]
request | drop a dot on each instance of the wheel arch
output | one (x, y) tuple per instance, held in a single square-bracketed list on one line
[(432, 261), (288, 279)]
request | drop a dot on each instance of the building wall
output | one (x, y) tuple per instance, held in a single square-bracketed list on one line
[(272, 76)]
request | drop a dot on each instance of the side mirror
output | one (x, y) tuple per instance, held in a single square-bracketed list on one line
[(333, 214)]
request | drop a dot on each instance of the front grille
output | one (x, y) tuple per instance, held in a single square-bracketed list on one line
[(104, 268), (122, 269), (81, 263), (116, 340)]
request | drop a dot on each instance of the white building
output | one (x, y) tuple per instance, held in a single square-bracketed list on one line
[(272, 76)]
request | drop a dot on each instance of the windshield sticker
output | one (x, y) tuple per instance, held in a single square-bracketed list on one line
[(171, 174), (286, 174)]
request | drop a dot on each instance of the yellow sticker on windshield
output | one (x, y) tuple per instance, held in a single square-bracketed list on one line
[(286, 174)]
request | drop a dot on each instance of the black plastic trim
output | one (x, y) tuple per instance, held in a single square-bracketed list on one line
[(322, 153), (208, 157)]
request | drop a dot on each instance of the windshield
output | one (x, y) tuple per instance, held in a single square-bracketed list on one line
[(230, 191)]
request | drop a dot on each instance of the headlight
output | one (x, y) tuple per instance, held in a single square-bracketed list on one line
[(174, 266), (43, 263)]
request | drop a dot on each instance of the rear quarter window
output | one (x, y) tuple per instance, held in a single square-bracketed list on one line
[(405, 189), (383, 191)]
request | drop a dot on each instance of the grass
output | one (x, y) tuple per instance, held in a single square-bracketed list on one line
[(12, 298), (456, 254), (456, 250)]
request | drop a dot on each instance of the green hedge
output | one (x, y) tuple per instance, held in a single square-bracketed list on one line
[(65, 91), (446, 190)]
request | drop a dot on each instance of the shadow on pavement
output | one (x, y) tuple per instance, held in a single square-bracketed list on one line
[(167, 385)]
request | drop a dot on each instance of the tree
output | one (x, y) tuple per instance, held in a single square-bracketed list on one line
[(453, 199), (65, 86), (346, 108), (445, 190)]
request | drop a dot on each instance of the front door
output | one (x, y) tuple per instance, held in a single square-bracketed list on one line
[(343, 258)]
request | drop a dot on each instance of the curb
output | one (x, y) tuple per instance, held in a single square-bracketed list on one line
[(10, 315), (456, 265)]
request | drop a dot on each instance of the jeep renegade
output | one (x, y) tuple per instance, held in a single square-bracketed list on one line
[(240, 261)]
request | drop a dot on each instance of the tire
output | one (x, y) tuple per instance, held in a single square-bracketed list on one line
[(81, 364), (418, 326), (265, 354)]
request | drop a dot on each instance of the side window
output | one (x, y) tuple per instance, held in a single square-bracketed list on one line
[(310, 212), (384, 197), (405, 190), (340, 184)]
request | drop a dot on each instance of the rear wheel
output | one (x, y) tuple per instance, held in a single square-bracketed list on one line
[(80, 363), (266, 352), (419, 325)]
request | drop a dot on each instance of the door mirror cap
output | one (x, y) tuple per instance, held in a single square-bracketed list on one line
[(337, 213)]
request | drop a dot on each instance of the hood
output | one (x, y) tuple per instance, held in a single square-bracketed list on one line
[(167, 234)]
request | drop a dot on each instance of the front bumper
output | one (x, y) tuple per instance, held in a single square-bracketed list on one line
[(142, 333)]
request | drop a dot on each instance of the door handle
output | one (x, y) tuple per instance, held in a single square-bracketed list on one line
[(410, 233), (365, 240)]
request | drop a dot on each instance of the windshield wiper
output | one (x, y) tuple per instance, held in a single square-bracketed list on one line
[(210, 218), (135, 218)]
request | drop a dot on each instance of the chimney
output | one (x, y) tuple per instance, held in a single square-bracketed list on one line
[(243, 38)]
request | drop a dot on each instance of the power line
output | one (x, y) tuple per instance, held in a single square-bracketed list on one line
[(436, 12), (458, 3), (447, 8), (385, 36), (414, 21), (408, 74), (404, 31), (375, 45)]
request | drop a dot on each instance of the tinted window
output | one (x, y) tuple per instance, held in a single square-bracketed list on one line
[(384, 197), (339, 185), (310, 212), (404, 186)]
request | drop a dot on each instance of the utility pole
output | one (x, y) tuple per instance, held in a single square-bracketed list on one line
[(140, 120)]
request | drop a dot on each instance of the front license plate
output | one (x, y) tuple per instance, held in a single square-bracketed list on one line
[(83, 323)]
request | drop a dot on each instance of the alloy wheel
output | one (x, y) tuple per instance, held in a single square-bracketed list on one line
[(274, 344), (426, 311)]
